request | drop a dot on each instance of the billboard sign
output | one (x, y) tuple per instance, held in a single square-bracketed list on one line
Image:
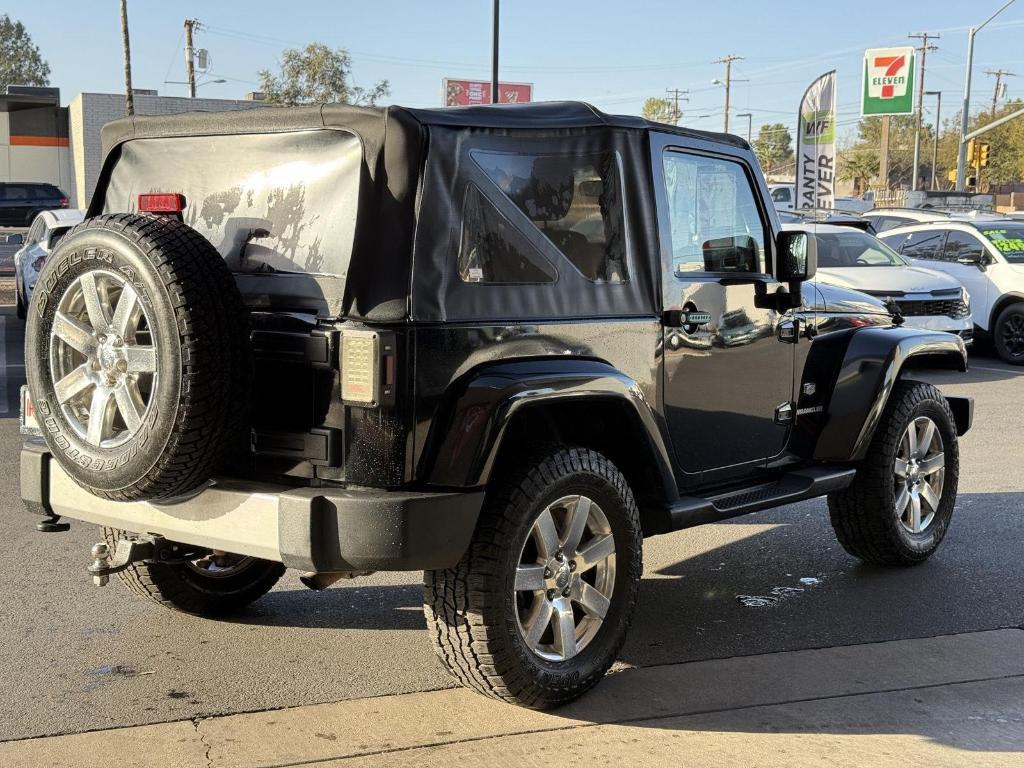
[(465, 93), (888, 81), (816, 145)]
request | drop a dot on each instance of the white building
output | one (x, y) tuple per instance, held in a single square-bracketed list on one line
[(42, 141), (89, 112)]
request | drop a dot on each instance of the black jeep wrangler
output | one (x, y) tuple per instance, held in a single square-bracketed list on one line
[(501, 345)]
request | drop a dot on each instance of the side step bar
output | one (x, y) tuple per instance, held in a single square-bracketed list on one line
[(809, 483)]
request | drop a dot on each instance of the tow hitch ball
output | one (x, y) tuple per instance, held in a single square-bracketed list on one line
[(128, 551)]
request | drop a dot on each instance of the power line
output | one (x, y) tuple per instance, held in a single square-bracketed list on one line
[(924, 37)]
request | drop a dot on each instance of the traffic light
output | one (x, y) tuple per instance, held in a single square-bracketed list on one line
[(951, 176), (970, 152), (983, 154)]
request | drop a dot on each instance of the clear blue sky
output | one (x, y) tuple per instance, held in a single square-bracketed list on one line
[(612, 54)]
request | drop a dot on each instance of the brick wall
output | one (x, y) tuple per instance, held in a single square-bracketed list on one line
[(89, 112)]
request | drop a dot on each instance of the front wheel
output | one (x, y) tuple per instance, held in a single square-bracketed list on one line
[(1009, 334), (537, 609), (898, 508)]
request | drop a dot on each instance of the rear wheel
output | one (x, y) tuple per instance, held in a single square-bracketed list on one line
[(1009, 334), (538, 608), (214, 584), (899, 506)]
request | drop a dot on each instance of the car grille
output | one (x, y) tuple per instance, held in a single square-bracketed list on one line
[(954, 308)]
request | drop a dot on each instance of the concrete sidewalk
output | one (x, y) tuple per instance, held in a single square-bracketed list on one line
[(953, 700)]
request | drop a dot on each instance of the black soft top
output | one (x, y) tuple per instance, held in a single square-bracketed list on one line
[(374, 122), (398, 262)]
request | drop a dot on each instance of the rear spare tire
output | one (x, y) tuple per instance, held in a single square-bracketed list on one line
[(137, 356)]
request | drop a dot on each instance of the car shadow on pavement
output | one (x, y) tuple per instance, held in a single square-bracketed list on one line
[(349, 606)]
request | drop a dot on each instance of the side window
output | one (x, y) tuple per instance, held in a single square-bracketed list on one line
[(15, 192), (924, 245), (493, 250), (781, 195), (575, 200), (961, 245), (713, 215)]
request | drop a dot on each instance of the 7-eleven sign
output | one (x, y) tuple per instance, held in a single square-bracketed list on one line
[(888, 81)]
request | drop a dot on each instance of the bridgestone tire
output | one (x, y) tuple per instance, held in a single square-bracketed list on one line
[(183, 588), (471, 609), (197, 323), (864, 515), (1010, 317)]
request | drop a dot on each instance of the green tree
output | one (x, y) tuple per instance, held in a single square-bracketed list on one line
[(317, 74), (660, 111), (20, 60), (773, 147), (859, 166)]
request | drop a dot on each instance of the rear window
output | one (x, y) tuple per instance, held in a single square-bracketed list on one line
[(576, 201)]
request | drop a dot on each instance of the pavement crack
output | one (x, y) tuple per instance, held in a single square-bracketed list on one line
[(207, 746)]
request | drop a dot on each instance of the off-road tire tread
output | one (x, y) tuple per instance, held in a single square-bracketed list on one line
[(465, 622), (859, 513), (167, 585), (213, 335)]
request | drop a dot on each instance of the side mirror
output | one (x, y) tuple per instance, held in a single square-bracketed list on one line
[(976, 259), (796, 257)]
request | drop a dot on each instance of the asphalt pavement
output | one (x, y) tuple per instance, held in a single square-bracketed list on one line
[(78, 658)]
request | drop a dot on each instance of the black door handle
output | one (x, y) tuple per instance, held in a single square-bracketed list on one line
[(690, 319)]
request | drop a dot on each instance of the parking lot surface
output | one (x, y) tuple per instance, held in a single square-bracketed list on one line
[(78, 658)]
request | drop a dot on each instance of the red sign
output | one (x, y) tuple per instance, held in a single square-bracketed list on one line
[(464, 93)]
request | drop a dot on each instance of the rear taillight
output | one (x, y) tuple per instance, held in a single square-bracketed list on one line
[(64, 202), (368, 367), (360, 367), (162, 202)]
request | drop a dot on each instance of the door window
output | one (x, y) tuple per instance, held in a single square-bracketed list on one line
[(961, 245), (924, 245), (714, 219), (781, 195)]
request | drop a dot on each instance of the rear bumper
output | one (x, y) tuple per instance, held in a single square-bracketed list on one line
[(313, 529)]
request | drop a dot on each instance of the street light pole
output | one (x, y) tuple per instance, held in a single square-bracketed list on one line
[(961, 158), (938, 127), (494, 54), (750, 119)]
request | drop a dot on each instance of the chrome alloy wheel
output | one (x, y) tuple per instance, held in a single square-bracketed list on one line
[(103, 359), (565, 578), (920, 474)]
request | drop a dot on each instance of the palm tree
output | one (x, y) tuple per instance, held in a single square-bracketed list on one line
[(129, 102), (860, 167)]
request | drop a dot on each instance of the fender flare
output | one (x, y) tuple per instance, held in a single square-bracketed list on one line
[(874, 360), (1011, 297), (467, 432)]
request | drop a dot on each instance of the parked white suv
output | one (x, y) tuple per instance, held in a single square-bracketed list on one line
[(46, 231), (987, 258), (850, 258)]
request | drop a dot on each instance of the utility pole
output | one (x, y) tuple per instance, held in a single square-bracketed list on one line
[(965, 111), (676, 95), (938, 127), (190, 69), (923, 37), (999, 75), (494, 52), (727, 60), (883, 153), (129, 99)]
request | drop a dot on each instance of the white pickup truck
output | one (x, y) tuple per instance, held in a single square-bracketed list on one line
[(784, 198)]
